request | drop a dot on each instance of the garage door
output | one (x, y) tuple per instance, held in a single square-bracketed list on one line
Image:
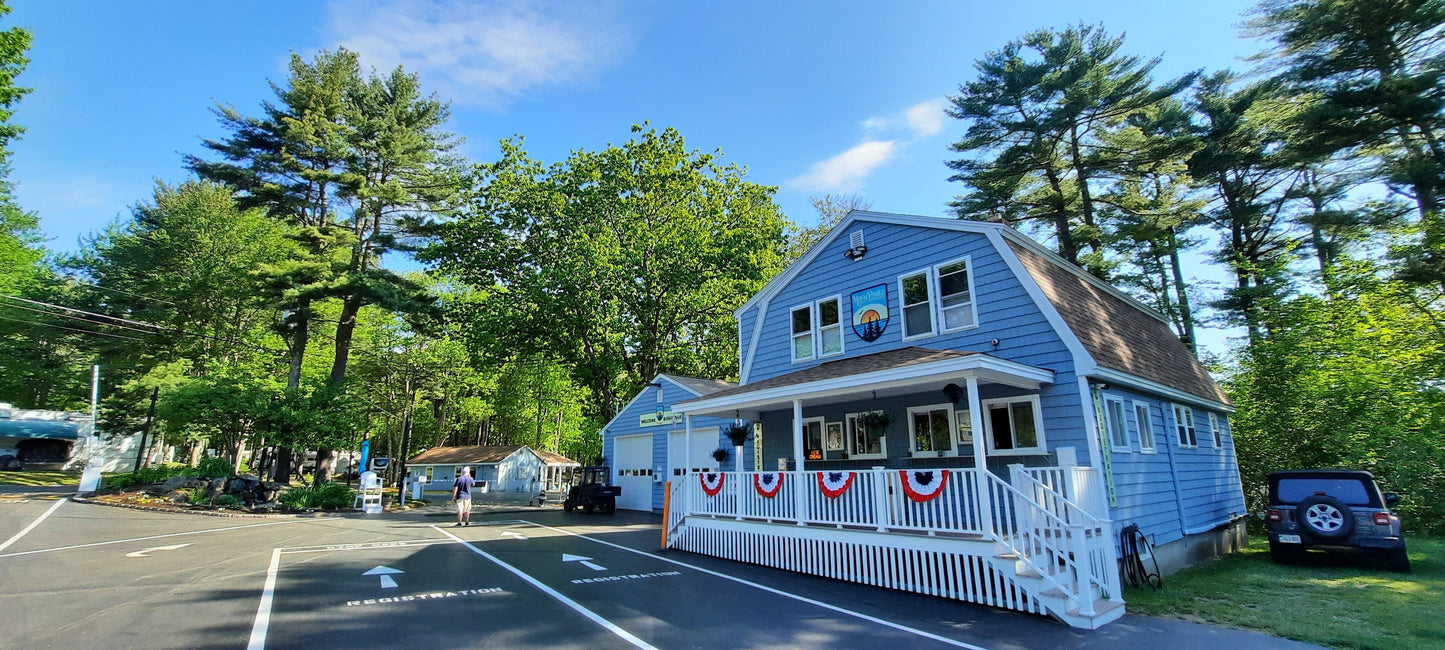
[(634, 472), (704, 442)]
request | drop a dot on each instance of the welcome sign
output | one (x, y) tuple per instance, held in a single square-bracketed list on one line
[(870, 312), (659, 418)]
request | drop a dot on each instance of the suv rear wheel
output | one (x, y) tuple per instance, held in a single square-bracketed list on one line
[(1285, 553), (1325, 517), (1398, 560)]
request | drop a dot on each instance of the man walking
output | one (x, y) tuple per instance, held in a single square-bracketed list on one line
[(462, 494)]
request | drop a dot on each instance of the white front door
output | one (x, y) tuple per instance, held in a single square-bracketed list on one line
[(704, 442), (634, 471)]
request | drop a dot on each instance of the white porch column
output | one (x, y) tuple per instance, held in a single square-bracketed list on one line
[(799, 503), (687, 443), (980, 466)]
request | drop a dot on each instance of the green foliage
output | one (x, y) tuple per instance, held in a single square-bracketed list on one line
[(150, 475), (324, 496), (1351, 382), (213, 467), (616, 263), (198, 497), (226, 501)]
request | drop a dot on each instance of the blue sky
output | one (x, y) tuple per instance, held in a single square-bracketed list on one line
[(811, 97)]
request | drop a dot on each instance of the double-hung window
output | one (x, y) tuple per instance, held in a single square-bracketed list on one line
[(1184, 426), (955, 295), (1015, 425), (813, 438), (817, 329), (938, 299), (917, 296), (1114, 419), (1146, 427), (931, 428), (1214, 429), (861, 442)]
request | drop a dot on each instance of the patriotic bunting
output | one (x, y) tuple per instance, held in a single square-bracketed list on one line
[(712, 482), (768, 483), (924, 485), (834, 484)]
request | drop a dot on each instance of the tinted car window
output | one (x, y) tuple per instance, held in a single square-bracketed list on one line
[(1351, 491)]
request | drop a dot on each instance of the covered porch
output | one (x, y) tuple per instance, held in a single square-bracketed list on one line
[(928, 516)]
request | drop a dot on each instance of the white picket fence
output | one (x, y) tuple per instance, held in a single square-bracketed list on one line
[(1041, 531)]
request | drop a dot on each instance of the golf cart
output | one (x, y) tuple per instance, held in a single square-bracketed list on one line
[(590, 491)]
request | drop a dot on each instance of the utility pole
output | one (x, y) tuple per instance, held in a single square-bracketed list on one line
[(150, 417)]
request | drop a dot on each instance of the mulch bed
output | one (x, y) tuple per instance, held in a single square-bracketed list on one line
[(142, 500)]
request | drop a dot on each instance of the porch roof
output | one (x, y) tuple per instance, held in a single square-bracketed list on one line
[(893, 372)]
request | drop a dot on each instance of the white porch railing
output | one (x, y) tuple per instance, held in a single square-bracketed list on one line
[(1051, 522)]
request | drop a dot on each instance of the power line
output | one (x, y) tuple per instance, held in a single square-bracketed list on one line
[(82, 311), (158, 328), (72, 329), (79, 318), (119, 291)]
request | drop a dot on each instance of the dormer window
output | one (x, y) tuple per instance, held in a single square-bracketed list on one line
[(817, 329)]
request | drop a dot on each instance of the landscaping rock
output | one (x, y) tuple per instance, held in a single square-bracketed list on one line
[(175, 483)]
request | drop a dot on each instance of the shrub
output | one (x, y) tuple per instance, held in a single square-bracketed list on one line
[(327, 495), (212, 467), (226, 501), (197, 497)]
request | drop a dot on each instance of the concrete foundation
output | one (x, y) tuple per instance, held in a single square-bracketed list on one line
[(1200, 548)]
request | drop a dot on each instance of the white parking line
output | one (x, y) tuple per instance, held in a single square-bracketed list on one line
[(263, 610), (32, 525), (771, 590), (593, 616), (135, 539)]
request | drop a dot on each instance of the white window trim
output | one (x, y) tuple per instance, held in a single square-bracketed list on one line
[(1215, 432), (882, 440), (927, 273), (812, 333), (952, 432), (1145, 427), (818, 328), (937, 298), (1038, 427), (815, 330), (1188, 413), (1123, 426)]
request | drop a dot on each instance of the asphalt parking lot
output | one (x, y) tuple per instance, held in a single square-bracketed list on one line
[(84, 576)]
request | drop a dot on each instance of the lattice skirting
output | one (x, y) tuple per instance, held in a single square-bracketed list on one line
[(948, 568)]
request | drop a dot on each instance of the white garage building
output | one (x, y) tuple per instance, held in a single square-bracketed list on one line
[(506, 468)]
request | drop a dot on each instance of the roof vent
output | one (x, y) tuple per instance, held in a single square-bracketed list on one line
[(856, 248)]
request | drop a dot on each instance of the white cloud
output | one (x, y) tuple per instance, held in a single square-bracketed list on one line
[(847, 170), (483, 54), (926, 118), (917, 121)]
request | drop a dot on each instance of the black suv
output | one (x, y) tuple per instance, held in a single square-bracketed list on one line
[(1332, 509)]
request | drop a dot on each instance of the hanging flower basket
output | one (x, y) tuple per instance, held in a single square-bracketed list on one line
[(768, 483), (876, 422), (738, 432), (720, 454), (922, 485), (834, 484), (712, 482)]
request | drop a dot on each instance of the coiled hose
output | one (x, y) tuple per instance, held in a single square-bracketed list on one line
[(1130, 542)]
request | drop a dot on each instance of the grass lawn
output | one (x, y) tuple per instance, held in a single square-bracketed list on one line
[(40, 478), (1336, 601)]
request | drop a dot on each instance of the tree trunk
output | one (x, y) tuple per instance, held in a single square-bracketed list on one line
[(345, 329), (282, 471), (1181, 296)]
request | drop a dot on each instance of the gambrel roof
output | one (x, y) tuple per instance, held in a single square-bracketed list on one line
[(1112, 335)]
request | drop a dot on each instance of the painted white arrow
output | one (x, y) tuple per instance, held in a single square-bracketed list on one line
[(566, 557), (508, 533), (142, 552), (386, 581)]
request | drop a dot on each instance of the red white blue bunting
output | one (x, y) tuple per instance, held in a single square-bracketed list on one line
[(768, 483), (712, 482), (924, 484), (834, 484)]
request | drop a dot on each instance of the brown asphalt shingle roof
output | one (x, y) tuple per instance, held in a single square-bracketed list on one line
[(845, 367), (480, 455), (1118, 334), (701, 386)]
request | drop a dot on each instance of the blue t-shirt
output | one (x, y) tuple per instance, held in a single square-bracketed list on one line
[(463, 487)]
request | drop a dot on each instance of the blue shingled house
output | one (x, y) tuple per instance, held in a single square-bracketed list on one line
[(948, 407), (644, 444)]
